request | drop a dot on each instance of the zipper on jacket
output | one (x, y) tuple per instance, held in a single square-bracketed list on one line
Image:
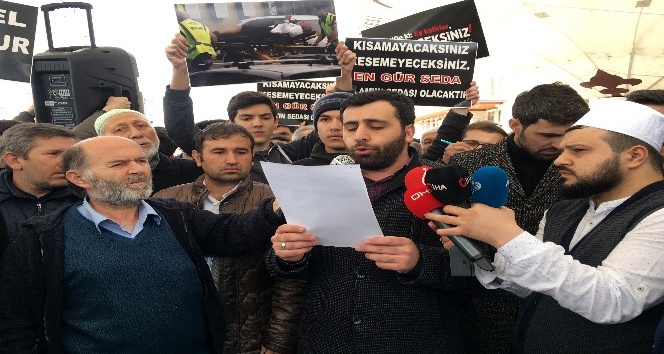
[(39, 209)]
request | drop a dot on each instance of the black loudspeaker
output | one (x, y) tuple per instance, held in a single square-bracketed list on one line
[(69, 84)]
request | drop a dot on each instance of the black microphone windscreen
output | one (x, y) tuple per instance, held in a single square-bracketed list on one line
[(449, 184)]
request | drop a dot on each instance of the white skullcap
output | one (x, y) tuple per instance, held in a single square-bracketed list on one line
[(99, 123), (629, 118)]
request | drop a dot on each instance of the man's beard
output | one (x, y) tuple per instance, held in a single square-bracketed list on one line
[(120, 193), (382, 157), (606, 177), (151, 152)]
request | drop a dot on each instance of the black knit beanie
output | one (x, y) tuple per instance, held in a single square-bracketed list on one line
[(328, 102)]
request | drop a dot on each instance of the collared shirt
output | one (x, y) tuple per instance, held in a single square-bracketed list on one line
[(144, 209), (211, 203), (376, 188), (629, 280)]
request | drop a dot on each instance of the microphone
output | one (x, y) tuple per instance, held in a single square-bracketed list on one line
[(415, 177), (419, 201), (490, 186), (449, 185), (342, 160)]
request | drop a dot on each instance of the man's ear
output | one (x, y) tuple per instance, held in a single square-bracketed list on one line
[(197, 157), (515, 125), (77, 179), (410, 133), (12, 160), (637, 156)]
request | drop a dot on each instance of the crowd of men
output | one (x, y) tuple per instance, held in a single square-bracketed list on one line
[(110, 245)]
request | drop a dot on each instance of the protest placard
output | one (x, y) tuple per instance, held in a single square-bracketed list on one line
[(245, 42), (18, 23), (430, 73), (294, 99), (457, 22)]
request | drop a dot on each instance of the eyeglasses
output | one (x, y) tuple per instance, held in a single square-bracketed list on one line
[(474, 143)]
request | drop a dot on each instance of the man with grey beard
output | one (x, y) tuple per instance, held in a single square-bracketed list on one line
[(167, 171), (117, 272)]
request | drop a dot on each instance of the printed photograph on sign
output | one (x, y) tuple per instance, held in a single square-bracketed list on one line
[(245, 42)]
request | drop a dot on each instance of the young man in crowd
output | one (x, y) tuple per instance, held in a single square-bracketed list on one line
[(262, 313), (541, 116), (327, 123), (285, 131)]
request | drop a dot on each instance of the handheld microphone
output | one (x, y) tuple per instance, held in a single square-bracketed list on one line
[(490, 186), (449, 184), (415, 177), (342, 160), (419, 201)]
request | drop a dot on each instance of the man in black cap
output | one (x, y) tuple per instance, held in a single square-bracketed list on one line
[(327, 122)]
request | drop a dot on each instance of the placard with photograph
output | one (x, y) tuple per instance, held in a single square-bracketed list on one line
[(244, 42)]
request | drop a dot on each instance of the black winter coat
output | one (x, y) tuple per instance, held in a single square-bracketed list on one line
[(17, 206), (355, 307)]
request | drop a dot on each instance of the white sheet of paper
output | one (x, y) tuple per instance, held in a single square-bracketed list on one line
[(331, 202)]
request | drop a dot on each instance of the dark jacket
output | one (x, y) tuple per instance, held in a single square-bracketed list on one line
[(179, 122), (259, 310), (658, 348), (488, 316), (32, 284), (16, 206), (355, 307), (173, 171), (318, 157)]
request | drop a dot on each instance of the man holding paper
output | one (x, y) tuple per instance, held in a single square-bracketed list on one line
[(388, 294)]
